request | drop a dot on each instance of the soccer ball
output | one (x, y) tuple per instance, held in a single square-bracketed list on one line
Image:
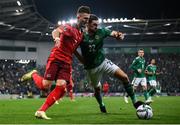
[(144, 112)]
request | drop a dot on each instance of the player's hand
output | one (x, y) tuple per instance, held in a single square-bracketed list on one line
[(57, 41), (139, 70), (159, 73), (119, 36)]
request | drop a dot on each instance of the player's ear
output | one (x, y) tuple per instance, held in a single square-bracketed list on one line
[(78, 16)]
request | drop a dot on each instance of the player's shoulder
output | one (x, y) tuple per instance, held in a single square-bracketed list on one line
[(67, 25), (149, 65), (105, 29), (137, 58), (100, 29)]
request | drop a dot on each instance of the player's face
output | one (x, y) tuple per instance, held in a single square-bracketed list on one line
[(83, 19), (141, 53), (153, 61), (93, 26)]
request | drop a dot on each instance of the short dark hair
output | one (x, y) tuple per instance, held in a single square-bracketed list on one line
[(92, 17), (84, 9), (141, 49)]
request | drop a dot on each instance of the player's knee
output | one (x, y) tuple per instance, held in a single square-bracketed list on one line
[(61, 83), (125, 78), (47, 84)]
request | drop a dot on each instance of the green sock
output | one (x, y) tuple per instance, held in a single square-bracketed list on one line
[(152, 91), (129, 89), (146, 94), (99, 99)]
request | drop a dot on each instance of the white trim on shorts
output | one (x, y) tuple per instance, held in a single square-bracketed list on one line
[(153, 83), (106, 67), (142, 81)]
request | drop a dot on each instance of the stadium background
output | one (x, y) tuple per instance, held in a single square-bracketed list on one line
[(25, 43)]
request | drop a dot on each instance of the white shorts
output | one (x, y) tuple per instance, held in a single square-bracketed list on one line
[(158, 91), (153, 83), (141, 81), (95, 74)]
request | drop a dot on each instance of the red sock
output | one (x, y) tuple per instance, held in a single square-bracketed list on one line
[(70, 90), (57, 93), (38, 80), (71, 94)]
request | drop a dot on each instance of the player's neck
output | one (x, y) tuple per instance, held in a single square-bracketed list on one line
[(91, 33)]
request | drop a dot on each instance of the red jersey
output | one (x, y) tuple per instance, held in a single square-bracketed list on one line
[(105, 86), (70, 38)]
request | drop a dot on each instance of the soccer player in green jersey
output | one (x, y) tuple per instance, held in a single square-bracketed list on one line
[(97, 65), (151, 77), (138, 66)]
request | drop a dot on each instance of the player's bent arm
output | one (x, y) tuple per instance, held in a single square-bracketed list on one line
[(118, 35), (79, 56), (65, 30), (159, 73), (55, 34), (148, 73)]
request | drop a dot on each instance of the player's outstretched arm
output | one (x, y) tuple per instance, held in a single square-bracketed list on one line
[(118, 35)]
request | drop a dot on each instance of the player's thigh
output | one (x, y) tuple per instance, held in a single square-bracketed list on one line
[(110, 68), (144, 83), (47, 83), (51, 71), (94, 77), (64, 73), (136, 81)]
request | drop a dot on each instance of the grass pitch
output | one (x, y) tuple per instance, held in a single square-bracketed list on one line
[(86, 111)]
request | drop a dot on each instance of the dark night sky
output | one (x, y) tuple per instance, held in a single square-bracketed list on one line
[(55, 10)]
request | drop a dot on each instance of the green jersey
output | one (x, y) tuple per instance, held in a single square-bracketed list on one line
[(151, 68), (92, 48), (138, 63)]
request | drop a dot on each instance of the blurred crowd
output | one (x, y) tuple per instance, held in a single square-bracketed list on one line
[(169, 64), (10, 74)]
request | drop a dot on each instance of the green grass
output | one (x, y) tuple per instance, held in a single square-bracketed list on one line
[(85, 110)]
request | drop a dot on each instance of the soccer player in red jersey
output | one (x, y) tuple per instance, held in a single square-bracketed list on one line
[(59, 63), (105, 88)]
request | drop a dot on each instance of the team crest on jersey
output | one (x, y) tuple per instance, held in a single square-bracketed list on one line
[(96, 37)]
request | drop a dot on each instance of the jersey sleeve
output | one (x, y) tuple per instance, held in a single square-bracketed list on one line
[(147, 68), (65, 30), (106, 32), (133, 65)]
